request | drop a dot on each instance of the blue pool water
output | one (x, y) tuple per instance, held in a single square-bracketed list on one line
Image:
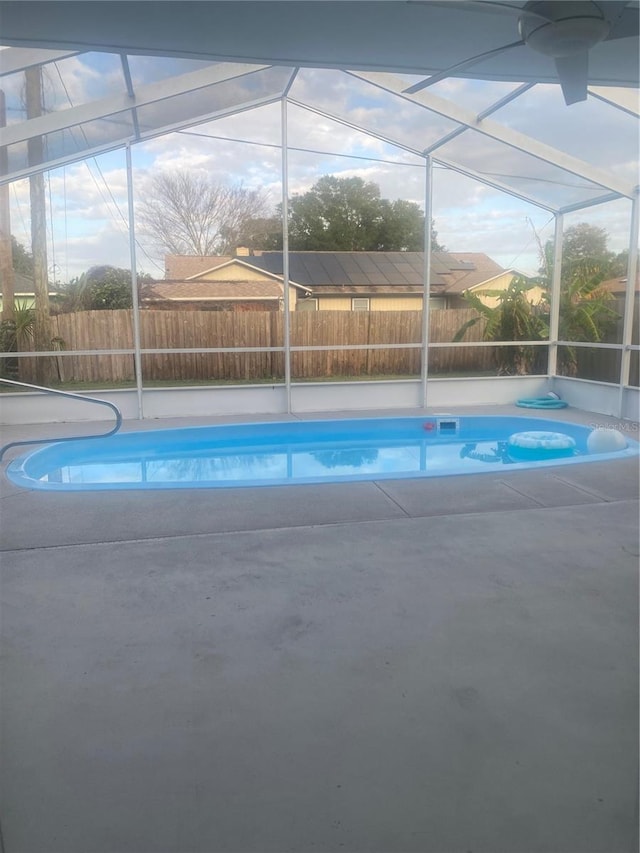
[(298, 452)]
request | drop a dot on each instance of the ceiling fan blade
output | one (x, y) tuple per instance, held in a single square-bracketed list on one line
[(509, 7), (624, 21), (488, 6), (573, 74), (466, 63)]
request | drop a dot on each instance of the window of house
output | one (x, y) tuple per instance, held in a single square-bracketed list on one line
[(308, 304), (360, 303)]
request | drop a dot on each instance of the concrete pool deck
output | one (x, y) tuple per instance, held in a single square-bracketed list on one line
[(408, 666)]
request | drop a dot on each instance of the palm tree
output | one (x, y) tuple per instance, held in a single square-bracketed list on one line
[(586, 309), (15, 335), (512, 319)]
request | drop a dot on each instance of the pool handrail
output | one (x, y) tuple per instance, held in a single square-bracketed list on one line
[(73, 396)]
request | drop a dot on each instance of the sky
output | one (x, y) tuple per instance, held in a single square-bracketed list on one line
[(87, 201)]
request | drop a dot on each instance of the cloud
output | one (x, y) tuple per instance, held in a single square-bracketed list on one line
[(590, 130), (82, 78), (87, 193), (89, 200)]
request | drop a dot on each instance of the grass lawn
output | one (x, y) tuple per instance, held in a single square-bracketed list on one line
[(87, 386)]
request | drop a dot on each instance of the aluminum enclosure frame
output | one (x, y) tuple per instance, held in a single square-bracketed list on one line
[(606, 186)]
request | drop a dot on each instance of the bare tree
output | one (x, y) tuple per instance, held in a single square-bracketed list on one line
[(189, 214)]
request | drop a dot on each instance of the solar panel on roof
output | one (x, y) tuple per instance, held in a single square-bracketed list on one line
[(314, 271), (366, 265), (270, 262), (349, 263), (402, 279), (341, 270), (333, 269)]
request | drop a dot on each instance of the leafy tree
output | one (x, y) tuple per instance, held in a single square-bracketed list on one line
[(336, 214), (348, 214), (342, 214), (109, 288), (587, 312), (402, 228), (22, 258), (100, 288), (619, 265), (189, 214), (583, 243), (586, 309)]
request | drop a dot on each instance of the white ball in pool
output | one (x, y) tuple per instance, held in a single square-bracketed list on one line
[(606, 441)]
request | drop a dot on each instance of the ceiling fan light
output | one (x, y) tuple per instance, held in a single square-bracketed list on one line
[(564, 38)]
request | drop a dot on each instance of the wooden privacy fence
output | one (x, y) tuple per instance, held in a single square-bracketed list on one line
[(85, 330), (604, 365), (207, 329)]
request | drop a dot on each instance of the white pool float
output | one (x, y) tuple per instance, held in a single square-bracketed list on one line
[(541, 444), (606, 440)]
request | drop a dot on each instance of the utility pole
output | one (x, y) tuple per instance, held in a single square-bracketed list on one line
[(7, 276), (35, 148)]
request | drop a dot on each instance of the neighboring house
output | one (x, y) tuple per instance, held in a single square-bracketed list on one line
[(218, 283), (343, 281), (23, 290), (485, 277), (618, 286)]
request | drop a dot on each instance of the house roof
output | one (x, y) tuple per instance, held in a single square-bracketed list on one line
[(334, 273), (619, 285), (361, 269), (180, 267), (484, 269), (192, 291), (23, 285)]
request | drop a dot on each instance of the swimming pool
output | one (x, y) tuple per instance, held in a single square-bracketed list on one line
[(280, 453)]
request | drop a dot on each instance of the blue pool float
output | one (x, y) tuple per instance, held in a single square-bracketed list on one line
[(551, 401)]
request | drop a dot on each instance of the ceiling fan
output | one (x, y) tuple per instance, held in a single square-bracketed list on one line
[(563, 29)]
